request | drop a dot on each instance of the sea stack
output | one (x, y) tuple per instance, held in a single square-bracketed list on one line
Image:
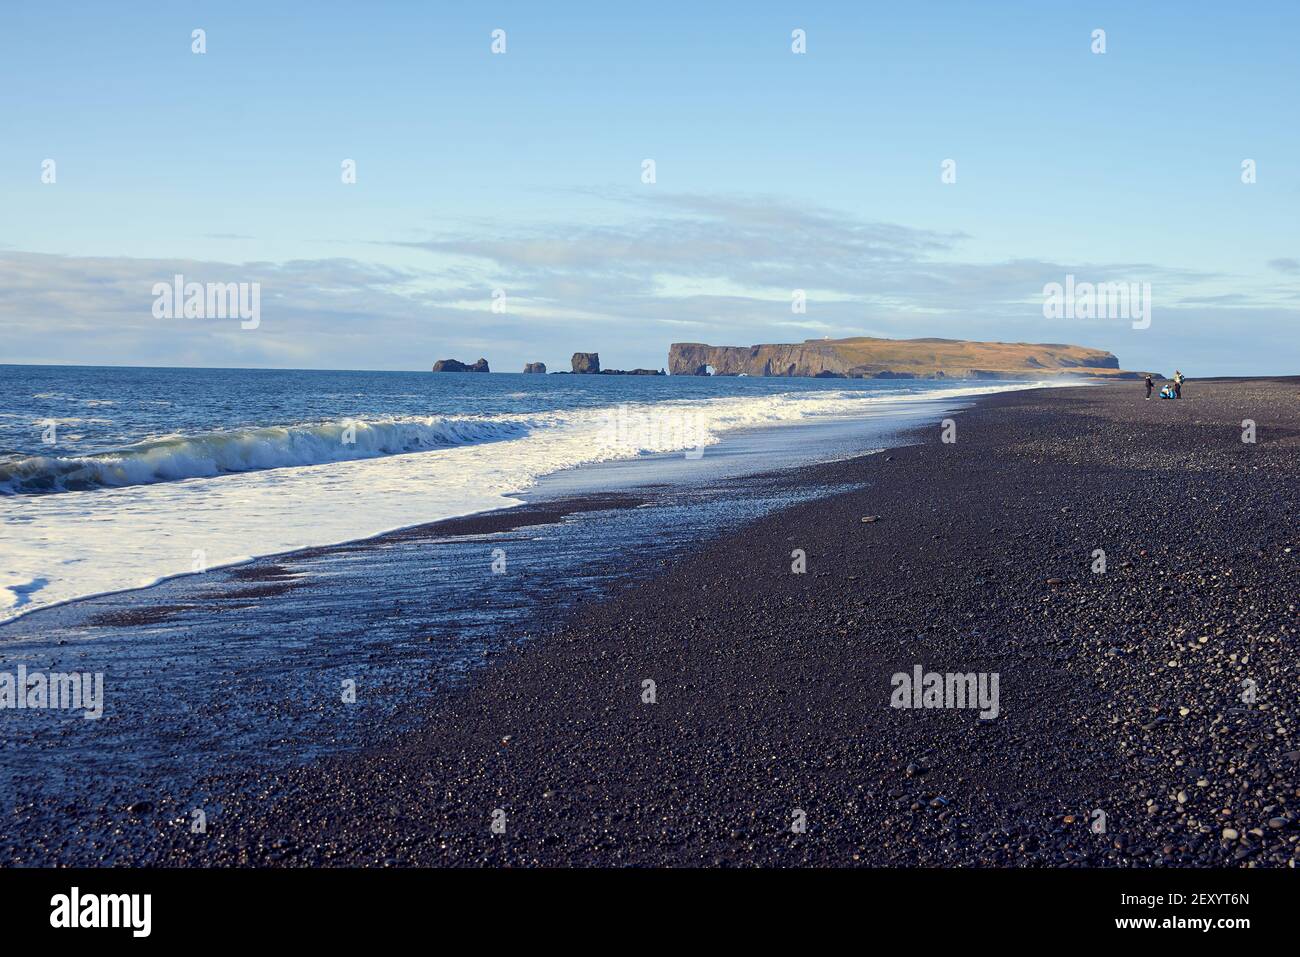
[(586, 363), (455, 365), (535, 368)]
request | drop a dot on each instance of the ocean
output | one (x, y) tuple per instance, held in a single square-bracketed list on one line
[(119, 478)]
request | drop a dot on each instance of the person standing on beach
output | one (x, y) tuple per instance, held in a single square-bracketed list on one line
[(1178, 384), (1150, 384)]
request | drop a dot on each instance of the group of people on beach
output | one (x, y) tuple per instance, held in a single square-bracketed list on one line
[(1173, 390)]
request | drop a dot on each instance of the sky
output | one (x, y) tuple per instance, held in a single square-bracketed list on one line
[(518, 178)]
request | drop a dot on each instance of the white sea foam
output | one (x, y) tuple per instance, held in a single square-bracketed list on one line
[(176, 457), (163, 507)]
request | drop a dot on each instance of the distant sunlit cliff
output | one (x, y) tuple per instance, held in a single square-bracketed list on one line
[(868, 358)]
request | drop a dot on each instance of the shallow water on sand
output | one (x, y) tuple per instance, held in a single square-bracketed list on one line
[(247, 666)]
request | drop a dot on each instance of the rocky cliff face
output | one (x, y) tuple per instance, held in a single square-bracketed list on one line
[(867, 358), (585, 362)]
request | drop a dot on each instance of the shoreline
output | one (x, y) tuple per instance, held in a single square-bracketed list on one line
[(594, 477), (772, 688)]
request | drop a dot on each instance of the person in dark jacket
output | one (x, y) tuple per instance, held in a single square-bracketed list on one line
[(1150, 385)]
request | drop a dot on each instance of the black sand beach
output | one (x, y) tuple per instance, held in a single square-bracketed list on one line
[(1120, 692)]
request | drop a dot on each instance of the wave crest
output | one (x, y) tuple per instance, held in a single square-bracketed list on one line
[(176, 457)]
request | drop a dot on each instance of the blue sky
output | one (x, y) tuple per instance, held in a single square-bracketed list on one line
[(522, 172)]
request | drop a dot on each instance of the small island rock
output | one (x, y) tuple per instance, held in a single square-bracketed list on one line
[(586, 362), (455, 365)]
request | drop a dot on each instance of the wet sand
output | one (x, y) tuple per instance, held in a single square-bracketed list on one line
[(1119, 691)]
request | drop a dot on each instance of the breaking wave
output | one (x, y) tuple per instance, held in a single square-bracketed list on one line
[(176, 457)]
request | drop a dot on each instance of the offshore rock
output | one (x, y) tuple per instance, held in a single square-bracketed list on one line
[(586, 362), (455, 365)]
